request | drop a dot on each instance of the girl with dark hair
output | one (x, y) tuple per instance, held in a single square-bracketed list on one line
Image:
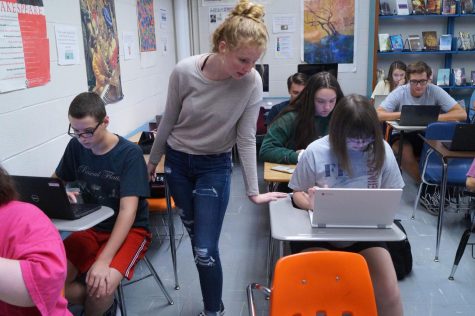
[(354, 155), (32, 258), (303, 121)]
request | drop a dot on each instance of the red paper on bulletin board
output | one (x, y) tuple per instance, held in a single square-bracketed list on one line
[(24, 45)]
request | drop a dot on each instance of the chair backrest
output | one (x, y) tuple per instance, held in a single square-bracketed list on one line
[(322, 283), (457, 167), (436, 130), (261, 128)]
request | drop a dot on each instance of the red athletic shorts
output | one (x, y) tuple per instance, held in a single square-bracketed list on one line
[(83, 248)]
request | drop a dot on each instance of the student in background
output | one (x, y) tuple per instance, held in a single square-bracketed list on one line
[(303, 121), (110, 171), (32, 258), (471, 178), (419, 91), (396, 77), (353, 155), (295, 84), (213, 102)]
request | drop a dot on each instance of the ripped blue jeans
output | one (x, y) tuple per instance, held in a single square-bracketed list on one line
[(200, 186)]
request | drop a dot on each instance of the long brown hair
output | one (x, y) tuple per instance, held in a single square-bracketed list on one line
[(304, 105), (7, 189), (355, 117), (395, 65)]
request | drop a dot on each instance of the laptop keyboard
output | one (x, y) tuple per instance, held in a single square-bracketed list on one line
[(81, 210)]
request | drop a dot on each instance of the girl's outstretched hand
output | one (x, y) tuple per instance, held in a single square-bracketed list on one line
[(267, 197)]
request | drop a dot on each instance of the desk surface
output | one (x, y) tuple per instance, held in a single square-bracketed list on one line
[(276, 176), (445, 152), (292, 224), (398, 127), (85, 222)]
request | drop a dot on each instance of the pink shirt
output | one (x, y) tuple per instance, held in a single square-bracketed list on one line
[(26, 234), (471, 171)]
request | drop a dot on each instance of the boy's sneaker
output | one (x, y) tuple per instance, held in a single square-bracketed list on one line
[(220, 313)]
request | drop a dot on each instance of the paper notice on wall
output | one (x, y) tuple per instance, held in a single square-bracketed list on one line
[(12, 67), (283, 47), (216, 16), (163, 19), (164, 45), (129, 45), (67, 44), (24, 46), (283, 23)]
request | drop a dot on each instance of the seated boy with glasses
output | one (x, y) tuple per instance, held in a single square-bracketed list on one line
[(418, 91), (111, 171)]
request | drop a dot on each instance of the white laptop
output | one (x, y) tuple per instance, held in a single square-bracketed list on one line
[(378, 99), (355, 208)]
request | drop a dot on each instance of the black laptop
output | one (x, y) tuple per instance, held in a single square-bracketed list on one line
[(49, 195), (418, 115), (463, 138)]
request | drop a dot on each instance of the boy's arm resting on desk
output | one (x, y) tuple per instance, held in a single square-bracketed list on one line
[(456, 113), (384, 115), (98, 275)]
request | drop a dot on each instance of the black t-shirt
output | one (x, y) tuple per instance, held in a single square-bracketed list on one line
[(105, 179)]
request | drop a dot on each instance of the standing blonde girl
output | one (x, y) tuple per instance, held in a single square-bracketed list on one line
[(212, 104)]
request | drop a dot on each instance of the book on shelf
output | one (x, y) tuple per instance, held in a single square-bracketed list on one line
[(387, 7), (459, 76), (445, 42), (402, 7), (443, 77), (467, 6), (397, 44), (434, 6), (465, 41), (414, 42), (384, 43), (418, 6), (449, 6), (430, 40)]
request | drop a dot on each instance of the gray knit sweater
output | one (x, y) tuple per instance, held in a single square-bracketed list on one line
[(205, 116)]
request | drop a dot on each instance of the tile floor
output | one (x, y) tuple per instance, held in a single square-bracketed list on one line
[(426, 291)]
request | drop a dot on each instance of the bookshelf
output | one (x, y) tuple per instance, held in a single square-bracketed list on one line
[(436, 59)]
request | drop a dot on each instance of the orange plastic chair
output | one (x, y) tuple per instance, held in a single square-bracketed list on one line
[(319, 283)]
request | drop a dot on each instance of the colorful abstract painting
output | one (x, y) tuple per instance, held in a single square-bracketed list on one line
[(101, 48), (329, 27), (146, 25)]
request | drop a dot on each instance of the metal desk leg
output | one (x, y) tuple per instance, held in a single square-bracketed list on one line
[(270, 261), (399, 153), (440, 219), (171, 232)]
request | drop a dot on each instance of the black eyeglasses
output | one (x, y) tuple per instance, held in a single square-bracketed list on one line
[(422, 82), (88, 133)]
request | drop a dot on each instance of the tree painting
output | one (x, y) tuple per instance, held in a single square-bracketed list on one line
[(329, 31)]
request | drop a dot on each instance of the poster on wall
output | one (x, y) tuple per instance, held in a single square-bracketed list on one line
[(101, 48), (146, 26), (24, 45), (329, 33)]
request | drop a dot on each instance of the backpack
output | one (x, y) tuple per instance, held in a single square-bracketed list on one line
[(401, 255)]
